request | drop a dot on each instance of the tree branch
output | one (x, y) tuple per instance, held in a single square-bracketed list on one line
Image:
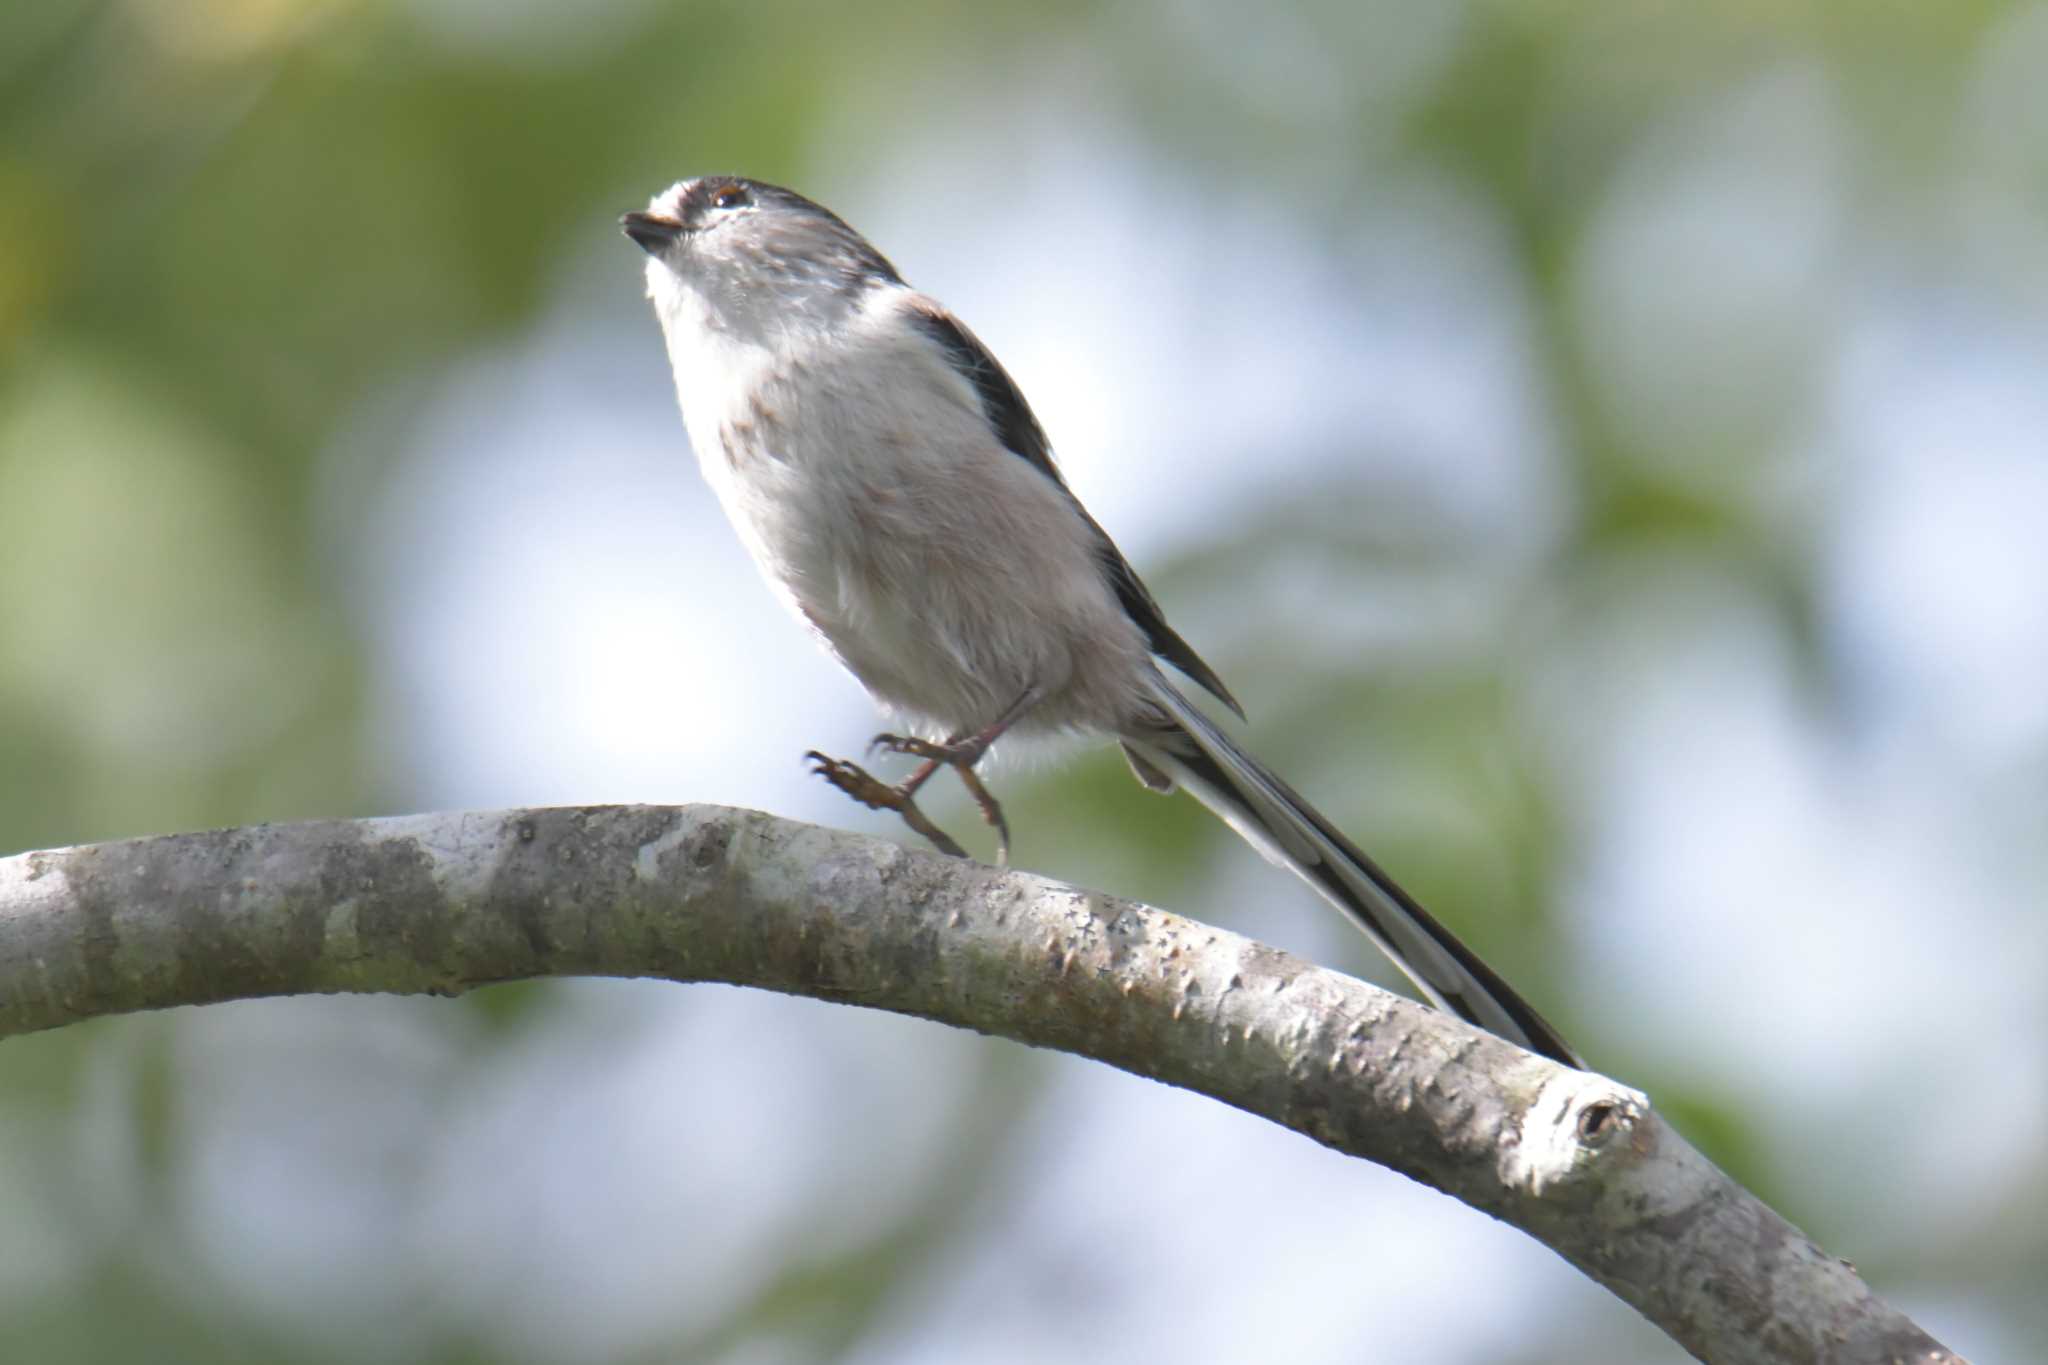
[(442, 903)]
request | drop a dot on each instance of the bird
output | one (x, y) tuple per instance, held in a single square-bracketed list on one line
[(898, 494)]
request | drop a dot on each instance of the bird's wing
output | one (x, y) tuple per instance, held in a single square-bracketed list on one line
[(1002, 403)]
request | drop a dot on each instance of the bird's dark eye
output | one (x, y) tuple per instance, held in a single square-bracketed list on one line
[(730, 197)]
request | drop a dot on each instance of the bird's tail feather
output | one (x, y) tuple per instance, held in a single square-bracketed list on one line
[(1193, 752)]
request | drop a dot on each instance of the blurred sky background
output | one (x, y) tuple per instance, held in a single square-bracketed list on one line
[(1604, 444)]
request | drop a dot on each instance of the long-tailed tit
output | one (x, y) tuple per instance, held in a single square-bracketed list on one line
[(897, 492)]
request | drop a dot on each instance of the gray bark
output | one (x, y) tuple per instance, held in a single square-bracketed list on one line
[(442, 903)]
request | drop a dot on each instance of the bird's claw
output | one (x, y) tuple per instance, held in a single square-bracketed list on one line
[(991, 810), (856, 781), (959, 754), (954, 753), (876, 794)]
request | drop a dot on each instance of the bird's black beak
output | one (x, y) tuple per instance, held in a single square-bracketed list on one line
[(651, 231)]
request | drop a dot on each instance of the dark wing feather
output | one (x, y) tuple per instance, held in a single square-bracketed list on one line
[(1011, 416)]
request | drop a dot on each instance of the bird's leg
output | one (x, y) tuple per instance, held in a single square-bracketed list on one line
[(961, 753), (876, 794)]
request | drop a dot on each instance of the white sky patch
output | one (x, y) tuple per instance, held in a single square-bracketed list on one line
[(1704, 283), (561, 611), (1156, 1216), (1937, 565), (1769, 913), (1196, 344), (739, 1124)]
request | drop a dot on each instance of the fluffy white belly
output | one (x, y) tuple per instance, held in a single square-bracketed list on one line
[(945, 572)]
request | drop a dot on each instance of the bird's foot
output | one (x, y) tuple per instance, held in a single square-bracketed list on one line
[(960, 755), (876, 794)]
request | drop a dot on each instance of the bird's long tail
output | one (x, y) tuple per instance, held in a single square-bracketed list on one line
[(1191, 751)]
